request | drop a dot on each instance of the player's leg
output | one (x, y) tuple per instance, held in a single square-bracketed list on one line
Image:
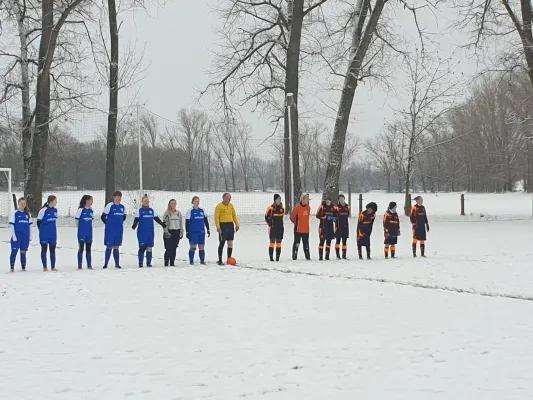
[(321, 248), (423, 248), (52, 247), (116, 255), (140, 254), (415, 241), (386, 250), (271, 247), (338, 239), (149, 254), (81, 248), (328, 248), (201, 246), (44, 249), (13, 256), (167, 242), (305, 242), (222, 241), (193, 242), (229, 237), (88, 254), (344, 245), (296, 245), (278, 248)]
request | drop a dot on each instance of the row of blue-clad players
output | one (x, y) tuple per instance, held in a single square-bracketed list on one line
[(113, 216)]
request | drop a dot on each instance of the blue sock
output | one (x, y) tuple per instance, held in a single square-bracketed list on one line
[(116, 257), (23, 260), (202, 255), (107, 255), (53, 259), (13, 257), (191, 255), (149, 257), (43, 258), (89, 259), (80, 258), (140, 255)]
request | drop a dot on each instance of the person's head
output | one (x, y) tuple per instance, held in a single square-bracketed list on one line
[(226, 198), (328, 201), (117, 197), (196, 201), (23, 205), (172, 204), (277, 199), (419, 200), (86, 201), (392, 206), (342, 200), (51, 202), (145, 201), (371, 208), (304, 199)]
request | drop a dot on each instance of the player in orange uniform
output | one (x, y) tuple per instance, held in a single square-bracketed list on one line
[(364, 229), (274, 219), (326, 213), (391, 228), (419, 220), (342, 229), (300, 218)]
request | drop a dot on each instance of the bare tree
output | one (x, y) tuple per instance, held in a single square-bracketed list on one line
[(226, 135), (244, 152)]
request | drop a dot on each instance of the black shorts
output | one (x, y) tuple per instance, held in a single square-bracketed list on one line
[(391, 240), (227, 231)]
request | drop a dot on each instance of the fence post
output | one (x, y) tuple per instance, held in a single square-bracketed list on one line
[(350, 199), (462, 204), (360, 203)]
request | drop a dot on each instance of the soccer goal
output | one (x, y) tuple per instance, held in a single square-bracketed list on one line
[(6, 198)]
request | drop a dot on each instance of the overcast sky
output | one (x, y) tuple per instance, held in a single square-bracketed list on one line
[(178, 40)]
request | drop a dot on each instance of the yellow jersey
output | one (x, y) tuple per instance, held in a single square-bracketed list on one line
[(224, 214)]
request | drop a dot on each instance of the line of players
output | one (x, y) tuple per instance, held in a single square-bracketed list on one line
[(334, 224)]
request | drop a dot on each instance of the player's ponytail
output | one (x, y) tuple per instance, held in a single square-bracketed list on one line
[(50, 199), (84, 200)]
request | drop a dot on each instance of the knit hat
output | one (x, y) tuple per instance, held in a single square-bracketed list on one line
[(392, 204), (372, 206), (277, 196), (341, 196)]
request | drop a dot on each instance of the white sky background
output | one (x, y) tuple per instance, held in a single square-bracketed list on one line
[(179, 38)]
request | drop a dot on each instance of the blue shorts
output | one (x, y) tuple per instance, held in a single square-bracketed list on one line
[(145, 240), (85, 239), (113, 239), (22, 243), (197, 238), (48, 241)]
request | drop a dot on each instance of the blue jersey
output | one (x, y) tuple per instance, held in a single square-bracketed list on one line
[(85, 217), (195, 218), (145, 216), (47, 219), (21, 222), (114, 215)]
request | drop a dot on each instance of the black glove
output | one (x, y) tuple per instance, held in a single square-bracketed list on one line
[(427, 228), (164, 225), (187, 235), (133, 227), (208, 234), (181, 234)]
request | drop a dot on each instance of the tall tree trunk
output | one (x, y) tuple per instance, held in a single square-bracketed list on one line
[(112, 118), (360, 42), (296, 16)]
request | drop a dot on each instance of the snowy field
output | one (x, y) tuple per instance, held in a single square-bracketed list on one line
[(454, 326)]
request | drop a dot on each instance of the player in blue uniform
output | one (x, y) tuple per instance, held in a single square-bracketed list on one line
[(84, 221), (20, 224), (47, 224), (144, 220), (196, 224), (113, 217)]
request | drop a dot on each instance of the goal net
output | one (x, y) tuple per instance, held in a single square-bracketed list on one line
[(6, 200)]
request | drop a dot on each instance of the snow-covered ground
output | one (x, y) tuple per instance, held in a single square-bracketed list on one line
[(454, 326)]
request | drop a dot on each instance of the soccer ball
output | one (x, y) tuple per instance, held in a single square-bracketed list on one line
[(232, 261)]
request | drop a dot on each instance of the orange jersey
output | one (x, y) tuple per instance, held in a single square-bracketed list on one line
[(300, 218)]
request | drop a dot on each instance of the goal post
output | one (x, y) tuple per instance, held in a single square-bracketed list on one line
[(6, 205)]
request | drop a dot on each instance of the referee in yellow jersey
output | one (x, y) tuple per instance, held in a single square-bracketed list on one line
[(227, 224)]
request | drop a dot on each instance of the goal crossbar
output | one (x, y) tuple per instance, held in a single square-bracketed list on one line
[(9, 193)]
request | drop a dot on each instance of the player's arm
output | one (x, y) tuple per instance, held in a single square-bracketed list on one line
[(268, 216), (412, 216), (136, 220), (319, 212), (158, 220), (12, 226), (125, 215), (206, 223), (105, 213), (426, 220), (78, 216), (40, 217), (294, 212), (188, 222), (386, 223)]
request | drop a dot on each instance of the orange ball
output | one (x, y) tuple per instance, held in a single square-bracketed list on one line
[(232, 261)]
